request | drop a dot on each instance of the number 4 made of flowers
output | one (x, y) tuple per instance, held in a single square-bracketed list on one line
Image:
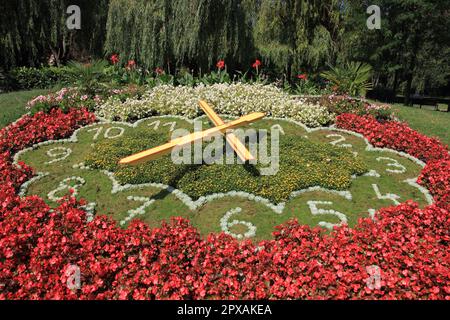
[(388, 196)]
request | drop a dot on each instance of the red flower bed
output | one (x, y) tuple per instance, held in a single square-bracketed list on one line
[(400, 137), (394, 135), (38, 246)]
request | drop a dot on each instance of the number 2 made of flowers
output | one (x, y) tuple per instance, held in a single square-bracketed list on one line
[(340, 138)]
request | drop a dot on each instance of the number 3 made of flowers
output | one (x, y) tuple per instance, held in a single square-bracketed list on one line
[(393, 164)]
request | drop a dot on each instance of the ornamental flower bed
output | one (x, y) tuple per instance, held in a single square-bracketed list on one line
[(234, 99), (38, 245)]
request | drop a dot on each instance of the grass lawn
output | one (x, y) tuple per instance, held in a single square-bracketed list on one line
[(393, 171), (428, 122), (12, 105)]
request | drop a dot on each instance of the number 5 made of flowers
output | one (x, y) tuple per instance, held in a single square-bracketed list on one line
[(316, 211)]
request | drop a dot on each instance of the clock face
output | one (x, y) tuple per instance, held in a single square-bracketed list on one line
[(325, 177)]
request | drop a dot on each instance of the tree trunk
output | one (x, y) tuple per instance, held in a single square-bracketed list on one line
[(395, 84), (408, 90)]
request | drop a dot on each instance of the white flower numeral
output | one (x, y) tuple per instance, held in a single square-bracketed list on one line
[(90, 210), (388, 196), (157, 123), (59, 153), (372, 213), (109, 133), (316, 211), (340, 138), (394, 164), (65, 185), (225, 225), (132, 213)]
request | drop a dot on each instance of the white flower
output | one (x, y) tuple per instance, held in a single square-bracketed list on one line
[(233, 99)]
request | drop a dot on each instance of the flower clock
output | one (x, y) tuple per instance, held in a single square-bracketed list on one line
[(343, 200)]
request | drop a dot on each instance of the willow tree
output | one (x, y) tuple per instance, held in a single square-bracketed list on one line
[(297, 34), (215, 30), (178, 32), (32, 30)]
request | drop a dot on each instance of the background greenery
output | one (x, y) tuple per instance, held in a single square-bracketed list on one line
[(409, 54)]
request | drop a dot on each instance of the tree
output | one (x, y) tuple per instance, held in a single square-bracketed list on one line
[(32, 30), (412, 44), (297, 34), (172, 33)]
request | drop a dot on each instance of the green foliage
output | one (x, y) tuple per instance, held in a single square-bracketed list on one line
[(305, 87), (296, 34), (167, 33), (303, 164), (351, 78), (410, 52), (88, 77), (31, 31), (39, 78)]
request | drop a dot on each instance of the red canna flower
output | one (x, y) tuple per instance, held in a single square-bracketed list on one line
[(303, 76), (220, 64), (131, 64), (159, 71), (115, 59), (257, 64)]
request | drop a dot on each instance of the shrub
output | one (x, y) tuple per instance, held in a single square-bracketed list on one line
[(43, 78), (340, 104), (68, 98), (88, 77)]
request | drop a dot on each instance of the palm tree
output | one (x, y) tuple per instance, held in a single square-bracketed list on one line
[(352, 78)]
